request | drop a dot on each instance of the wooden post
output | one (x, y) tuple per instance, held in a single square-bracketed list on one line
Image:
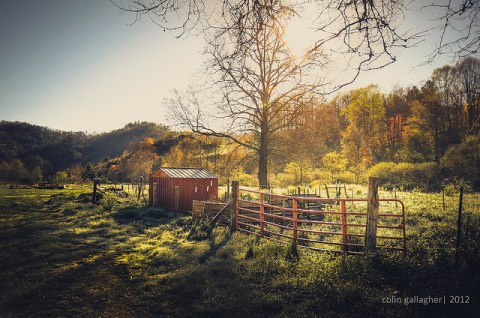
[(234, 206), (395, 192), (262, 215), (177, 197), (459, 223), (443, 198), (140, 187), (228, 191), (198, 209), (295, 218), (284, 205), (96, 183), (326, 189), (344, 226), (372, 215)]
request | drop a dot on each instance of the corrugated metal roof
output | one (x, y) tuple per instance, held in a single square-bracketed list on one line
[(193, 173)]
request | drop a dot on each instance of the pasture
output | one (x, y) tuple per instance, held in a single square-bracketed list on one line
[(63, 256)]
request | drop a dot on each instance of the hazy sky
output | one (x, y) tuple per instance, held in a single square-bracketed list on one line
[(78, 65)]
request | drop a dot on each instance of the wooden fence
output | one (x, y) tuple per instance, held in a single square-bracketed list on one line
[(336, 225)]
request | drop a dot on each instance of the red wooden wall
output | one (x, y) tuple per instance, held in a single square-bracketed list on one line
[(193, 184)]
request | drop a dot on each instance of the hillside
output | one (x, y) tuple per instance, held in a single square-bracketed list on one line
[(33, 144)]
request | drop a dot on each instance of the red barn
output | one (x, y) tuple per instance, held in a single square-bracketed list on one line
[(192, 183)]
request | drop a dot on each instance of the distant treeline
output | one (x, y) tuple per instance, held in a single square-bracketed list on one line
[(409, 137), (29, 153)]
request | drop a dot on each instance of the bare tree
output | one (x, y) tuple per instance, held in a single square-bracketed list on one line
[(366, 30), (459, 26), (173, 15), (263, 87)]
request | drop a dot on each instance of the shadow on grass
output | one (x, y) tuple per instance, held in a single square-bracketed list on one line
[(157, 216)]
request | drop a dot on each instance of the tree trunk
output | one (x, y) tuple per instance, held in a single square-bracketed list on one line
[(262, 168), (263, 156)]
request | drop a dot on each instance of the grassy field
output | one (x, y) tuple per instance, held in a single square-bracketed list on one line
[(61, 256)]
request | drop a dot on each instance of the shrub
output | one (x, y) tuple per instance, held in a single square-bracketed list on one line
[(292, 252), (346, 177), (463, 160), (128, 213), (383, 171), (108, 202), (200, 231), (406, 174), (156, 213)]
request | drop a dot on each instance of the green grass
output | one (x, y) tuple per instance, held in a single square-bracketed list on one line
[(63, 256)]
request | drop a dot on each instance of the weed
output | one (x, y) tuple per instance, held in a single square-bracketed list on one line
[(199, 231), (108, 201), (292, 252)]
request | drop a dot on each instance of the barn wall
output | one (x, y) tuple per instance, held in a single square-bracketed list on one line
[(189, 188)]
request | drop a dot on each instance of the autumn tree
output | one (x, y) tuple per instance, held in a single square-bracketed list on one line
[(428, 119), (4, 171), (17, 171), (137, 161), (61, 177), (398, 111), (75, 173), (194, 151), (467, 72), (364, 138), (463, 160), (334, 164), (37, 174), (446, 84)]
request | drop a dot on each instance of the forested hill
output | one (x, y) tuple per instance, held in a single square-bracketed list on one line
[(36, 145)]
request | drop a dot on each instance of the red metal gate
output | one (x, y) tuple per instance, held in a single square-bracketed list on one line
[(336, 225)]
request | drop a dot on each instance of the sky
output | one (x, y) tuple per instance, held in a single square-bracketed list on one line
[(81, 65)]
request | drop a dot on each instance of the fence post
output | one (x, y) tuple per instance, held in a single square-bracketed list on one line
[(96, 182), (140, 188), (284, 205), (372, 215), (344, 226), (177, 197), (443, 197), (295, 218), (234, 207), (459, 224), (262, 215), (227, 196)]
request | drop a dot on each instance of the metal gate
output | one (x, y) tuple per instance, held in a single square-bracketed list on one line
[(336, 225)]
